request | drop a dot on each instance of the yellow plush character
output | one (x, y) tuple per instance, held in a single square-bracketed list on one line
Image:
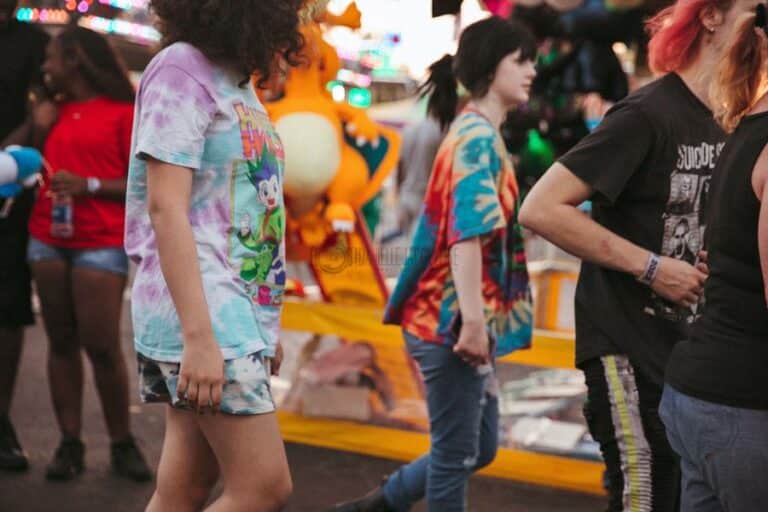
[(326, 179)]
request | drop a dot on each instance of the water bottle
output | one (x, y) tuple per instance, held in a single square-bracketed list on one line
[(61, 216)]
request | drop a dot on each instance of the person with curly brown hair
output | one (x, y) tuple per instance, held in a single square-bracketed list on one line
[(205, 224)]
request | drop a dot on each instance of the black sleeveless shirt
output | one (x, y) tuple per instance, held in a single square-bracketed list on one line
[(726, 359)]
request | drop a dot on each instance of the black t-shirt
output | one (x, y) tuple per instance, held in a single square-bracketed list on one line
[(726, 359), (650, 163), (22, 47)]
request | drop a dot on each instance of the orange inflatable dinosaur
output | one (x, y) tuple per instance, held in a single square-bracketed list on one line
[(327, 179)]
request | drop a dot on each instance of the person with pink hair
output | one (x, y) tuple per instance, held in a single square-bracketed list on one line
[(714, 405), (647, 169)]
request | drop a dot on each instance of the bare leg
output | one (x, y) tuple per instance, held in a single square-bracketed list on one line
[(188, 469), (98, 299), (252, 458), (65, 367)]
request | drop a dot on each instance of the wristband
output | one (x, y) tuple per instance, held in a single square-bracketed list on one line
[(651, 269), (94, 184)]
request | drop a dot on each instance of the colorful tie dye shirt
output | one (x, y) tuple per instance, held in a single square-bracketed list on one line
[(472, 192), (194, 114)]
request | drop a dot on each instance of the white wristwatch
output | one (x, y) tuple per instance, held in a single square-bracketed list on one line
[(94, 184)]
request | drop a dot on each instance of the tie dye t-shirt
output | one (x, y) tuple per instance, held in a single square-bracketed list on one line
[(194, 114), (472, 192)]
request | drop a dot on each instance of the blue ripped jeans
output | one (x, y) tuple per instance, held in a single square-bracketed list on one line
[(464, 422)]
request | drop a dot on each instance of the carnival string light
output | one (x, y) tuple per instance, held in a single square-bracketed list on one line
[(144, 33), (47, 16)]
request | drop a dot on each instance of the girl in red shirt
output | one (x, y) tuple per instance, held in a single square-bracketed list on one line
[(76, 244)]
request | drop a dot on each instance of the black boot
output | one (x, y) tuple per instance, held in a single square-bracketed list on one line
[(69, 460), (12, 457), (128, 462), (372, 502)]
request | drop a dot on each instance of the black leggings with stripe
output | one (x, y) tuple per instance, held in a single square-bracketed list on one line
[(622, 413)]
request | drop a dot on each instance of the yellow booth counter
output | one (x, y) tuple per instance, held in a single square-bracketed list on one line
[(348, 384)]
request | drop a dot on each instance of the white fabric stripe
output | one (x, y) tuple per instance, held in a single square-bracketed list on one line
[(634, 449)]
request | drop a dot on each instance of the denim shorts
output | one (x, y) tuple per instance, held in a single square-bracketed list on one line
[(107, 259), (246, 385)]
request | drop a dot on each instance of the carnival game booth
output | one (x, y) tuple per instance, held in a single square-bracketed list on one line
[(347, 381)]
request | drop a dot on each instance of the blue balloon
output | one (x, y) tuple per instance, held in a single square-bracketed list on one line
[(29, 161), (10, 190)]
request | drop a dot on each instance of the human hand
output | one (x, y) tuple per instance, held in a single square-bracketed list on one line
[(473, 345), (679, 282), (64, 182), (201, 377), (702, 263), (277, 360)]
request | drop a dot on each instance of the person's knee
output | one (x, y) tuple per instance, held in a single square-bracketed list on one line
[(282, 492), (271, 494), (200, 491), (104, 356), (64, 347), (452, 464), (186, 502), (277, 491), (171, 495)]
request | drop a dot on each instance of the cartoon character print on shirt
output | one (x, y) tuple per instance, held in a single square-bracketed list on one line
[(264, 241), (685, 218), (261, 230)]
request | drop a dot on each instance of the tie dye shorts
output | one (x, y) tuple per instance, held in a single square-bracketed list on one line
[(246, 385)]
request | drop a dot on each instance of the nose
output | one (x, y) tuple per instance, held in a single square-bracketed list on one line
[(532, 70)]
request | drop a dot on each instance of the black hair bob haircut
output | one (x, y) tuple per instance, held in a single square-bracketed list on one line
[(243, 35), (482, 46)]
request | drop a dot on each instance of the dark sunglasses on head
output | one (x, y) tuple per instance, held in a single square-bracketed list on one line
[(761, 18)]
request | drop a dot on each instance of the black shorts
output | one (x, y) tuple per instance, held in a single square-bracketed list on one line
[(15, 285)]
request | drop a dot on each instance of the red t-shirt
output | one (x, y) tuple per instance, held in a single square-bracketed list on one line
[(91, 138)]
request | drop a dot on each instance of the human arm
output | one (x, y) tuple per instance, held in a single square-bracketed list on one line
[(762, 239), (277, 359), (550, 209), (172, 142), (202, 367), (77, 186), (467, 268), (602, 165), (35, 128), (474, 212), (759, 178), (20, 136)]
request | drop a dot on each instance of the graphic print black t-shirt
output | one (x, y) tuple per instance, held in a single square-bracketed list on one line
[(650, 162)]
